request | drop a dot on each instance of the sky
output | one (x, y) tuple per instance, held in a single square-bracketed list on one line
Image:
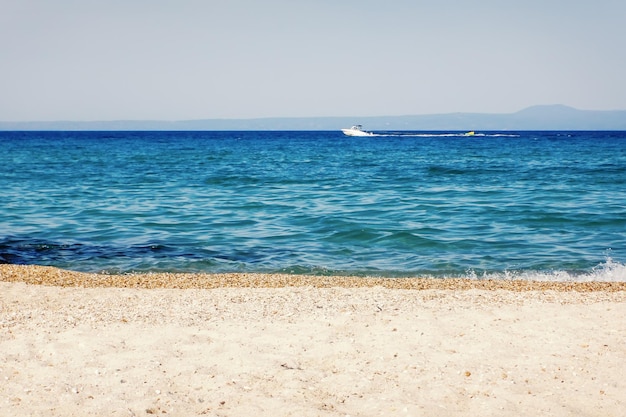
[(89, 60)]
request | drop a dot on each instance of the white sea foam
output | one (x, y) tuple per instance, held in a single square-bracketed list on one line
[(608, 271)]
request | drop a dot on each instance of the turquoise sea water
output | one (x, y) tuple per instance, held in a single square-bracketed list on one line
[(541, 205)]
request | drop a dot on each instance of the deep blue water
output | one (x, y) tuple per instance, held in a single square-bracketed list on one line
[(547, 205)]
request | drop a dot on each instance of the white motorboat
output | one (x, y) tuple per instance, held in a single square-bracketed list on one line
[(356, 130)]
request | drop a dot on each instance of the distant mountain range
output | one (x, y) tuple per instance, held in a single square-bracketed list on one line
[(547, 117)]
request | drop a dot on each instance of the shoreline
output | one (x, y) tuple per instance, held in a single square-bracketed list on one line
[(45, 275)]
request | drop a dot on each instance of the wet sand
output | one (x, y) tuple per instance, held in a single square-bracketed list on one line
[(76, 344)]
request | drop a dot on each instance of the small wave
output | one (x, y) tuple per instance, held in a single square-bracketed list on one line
[(608, 271)]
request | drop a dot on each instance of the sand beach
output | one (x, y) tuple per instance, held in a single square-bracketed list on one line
[(74, 344)]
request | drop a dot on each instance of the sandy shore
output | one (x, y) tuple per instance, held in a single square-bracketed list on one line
[(238, 345)]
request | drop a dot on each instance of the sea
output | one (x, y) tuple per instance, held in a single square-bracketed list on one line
[(494, 205)]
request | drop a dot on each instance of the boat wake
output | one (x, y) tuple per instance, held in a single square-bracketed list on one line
[(443, 135), (357, 130)]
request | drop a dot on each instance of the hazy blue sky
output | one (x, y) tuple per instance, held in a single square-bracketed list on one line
[(186, 59)]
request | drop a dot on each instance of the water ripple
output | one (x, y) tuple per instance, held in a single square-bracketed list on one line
[(314, 202)]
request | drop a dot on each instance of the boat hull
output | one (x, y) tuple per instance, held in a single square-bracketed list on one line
[(356, 132)]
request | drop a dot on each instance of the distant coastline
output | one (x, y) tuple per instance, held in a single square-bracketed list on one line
[(543, 117)]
